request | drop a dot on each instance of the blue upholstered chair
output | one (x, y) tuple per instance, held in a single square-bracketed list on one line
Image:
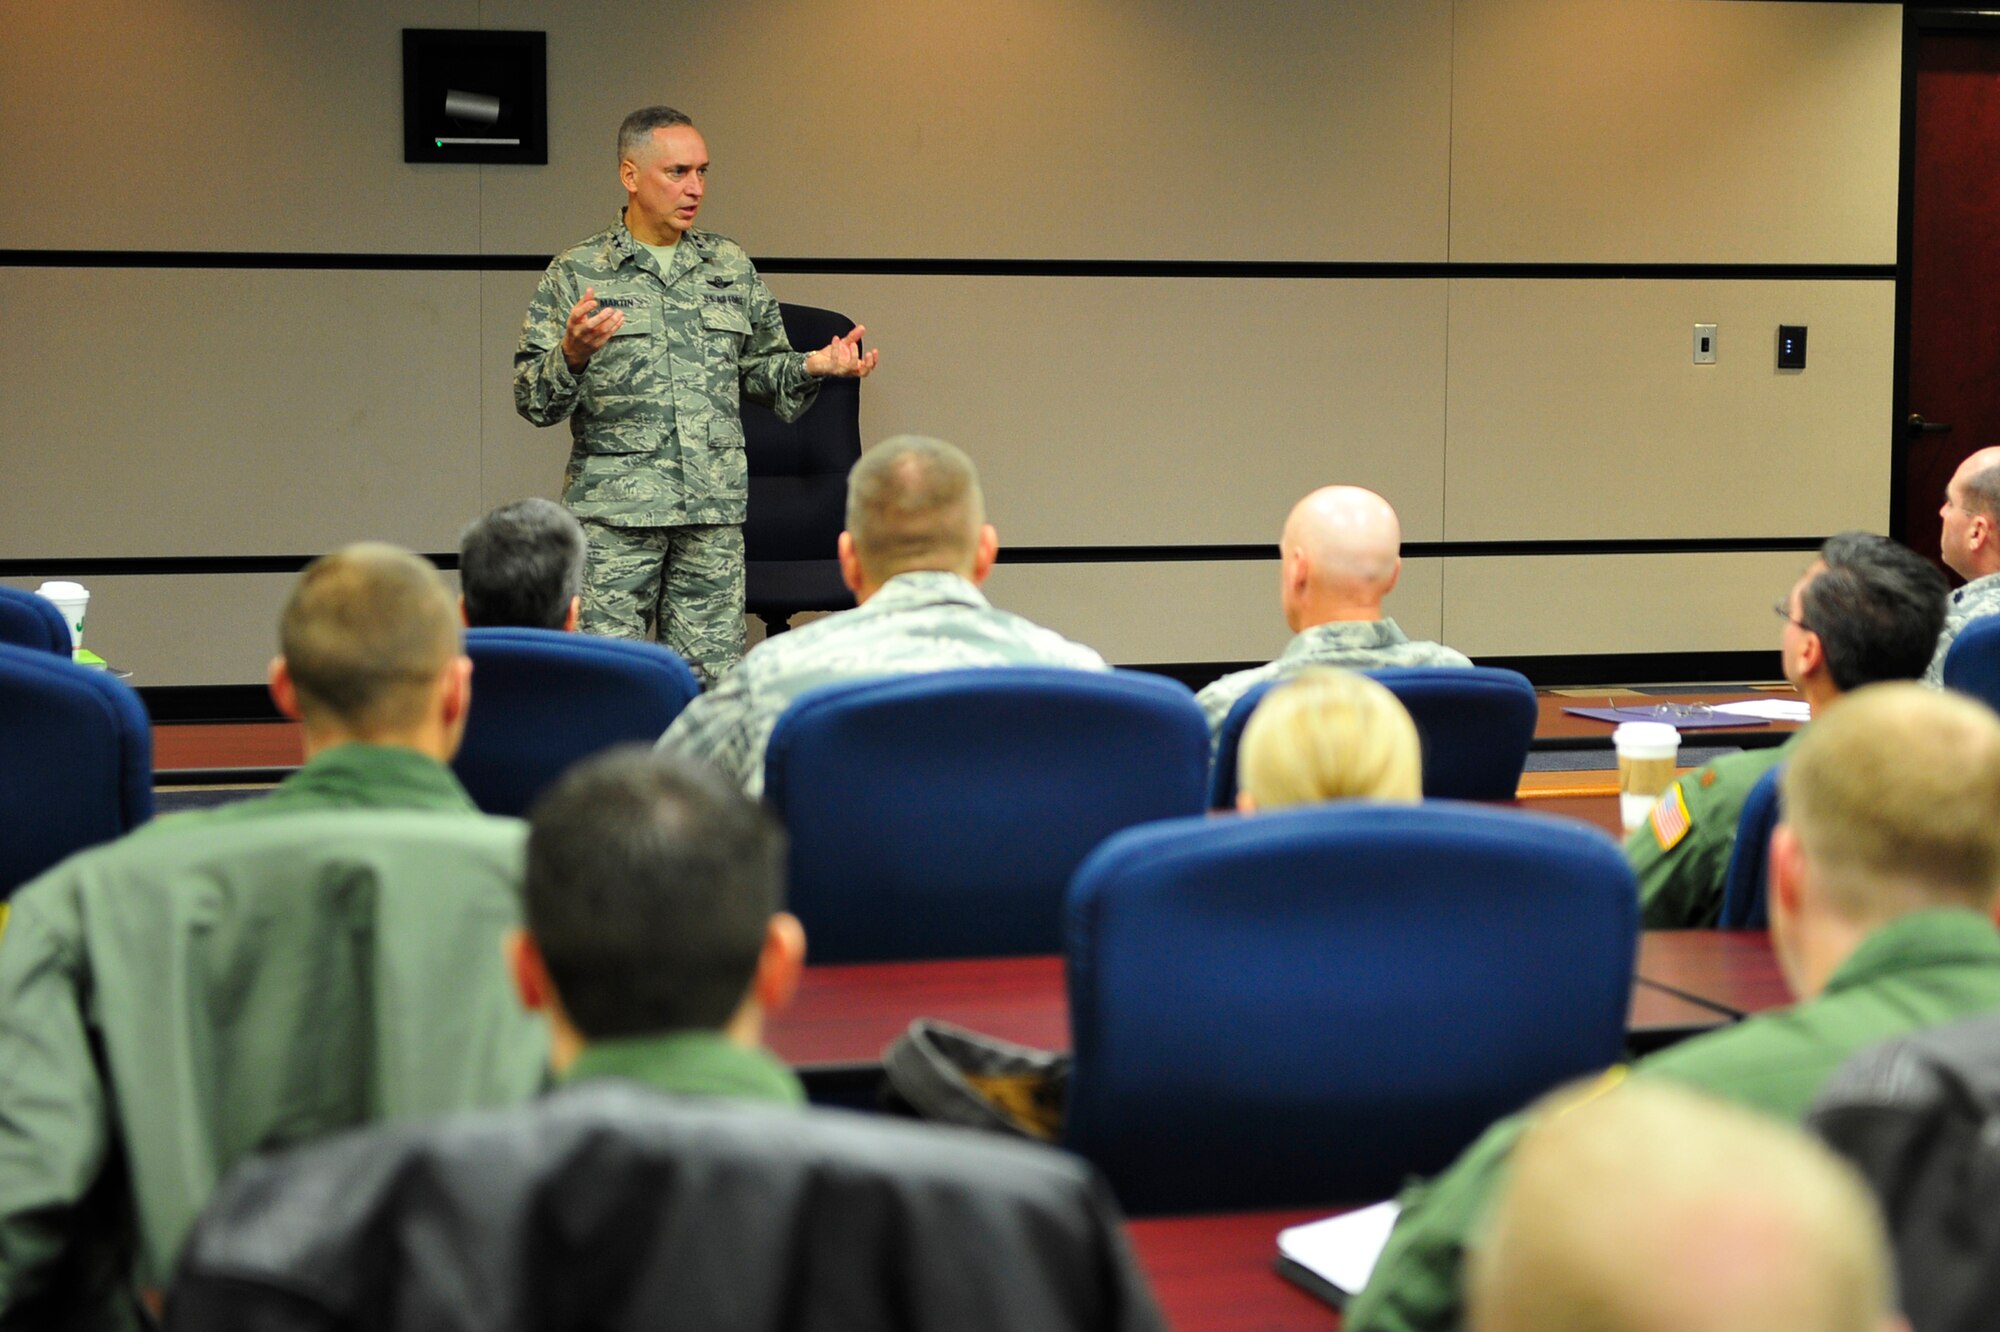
[(29, 621), (1311, 1005), (76, 760), (798, 487), (941, 815), (542, 699), (1476, 725), (1745, 901), (1972, 666)]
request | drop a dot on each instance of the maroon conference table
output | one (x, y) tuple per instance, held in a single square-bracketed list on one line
[(844, 1015), (1214, 1273), (1733, 970)]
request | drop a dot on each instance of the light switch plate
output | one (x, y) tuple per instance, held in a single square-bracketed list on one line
[(1704, 344)]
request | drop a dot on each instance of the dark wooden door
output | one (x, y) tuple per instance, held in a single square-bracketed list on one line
[(1954, 333)]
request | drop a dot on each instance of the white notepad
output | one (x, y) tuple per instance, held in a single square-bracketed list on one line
[(1341, 1250), (1770, 709)]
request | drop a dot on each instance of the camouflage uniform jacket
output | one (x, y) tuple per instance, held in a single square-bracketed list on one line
[(1979, 597), (656, 434), (1360, 645), (918, 621)]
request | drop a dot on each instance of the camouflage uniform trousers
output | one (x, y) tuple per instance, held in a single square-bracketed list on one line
[(686, 582)]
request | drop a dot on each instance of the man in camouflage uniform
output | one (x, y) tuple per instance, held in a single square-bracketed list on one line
[(1340, 555), (916, 548), (644, 336), (1867, 609), (1970, 544)]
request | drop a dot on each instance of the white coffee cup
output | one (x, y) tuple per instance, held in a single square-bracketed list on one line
[(1647, 752), (71, 599)]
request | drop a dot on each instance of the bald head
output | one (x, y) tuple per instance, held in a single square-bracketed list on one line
[(1342, 551), (1649, 1208), (1970, 540), (913, 503)]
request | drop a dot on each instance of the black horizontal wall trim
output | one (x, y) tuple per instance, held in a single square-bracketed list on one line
[(1123, 268), (130, 565)]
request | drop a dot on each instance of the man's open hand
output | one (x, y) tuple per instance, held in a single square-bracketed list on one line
[(590, 328), (843, 358)]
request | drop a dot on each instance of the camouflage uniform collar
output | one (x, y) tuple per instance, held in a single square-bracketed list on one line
[(926, 587), (1346, 634), (627, 248), (1979, 587)]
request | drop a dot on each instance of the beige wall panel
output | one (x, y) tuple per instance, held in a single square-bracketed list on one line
[(1675, 131), (1577, 411), (1127, 411), (1541, 605), (278, 125), (194, 629), (1033, 128), (197, 412), (1183, 611), (186, 629), (516, 459)]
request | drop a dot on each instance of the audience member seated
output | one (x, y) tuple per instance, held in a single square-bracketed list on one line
[(916, 549), (372, 668), (656, 938), (226, 981), (1867, 609), (1651, 1209), (1328, 734), (1339, 557), (655, 944), (521, 567), (1883, 879), (1970, 546)]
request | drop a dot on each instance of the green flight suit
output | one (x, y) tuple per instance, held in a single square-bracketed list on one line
[(656, 432), (691, 1063), (349, 776), (1926, 968), (228, 982), (1681, 867)]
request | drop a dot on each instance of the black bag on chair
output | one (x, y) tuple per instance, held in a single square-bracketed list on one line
[(1920, 1118)]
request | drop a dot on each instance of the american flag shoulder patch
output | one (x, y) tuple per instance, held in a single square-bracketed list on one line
[(1670, 818)]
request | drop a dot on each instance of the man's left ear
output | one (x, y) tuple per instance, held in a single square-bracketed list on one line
[(985, 553), (526, 969), (780, 963), (457, 698)]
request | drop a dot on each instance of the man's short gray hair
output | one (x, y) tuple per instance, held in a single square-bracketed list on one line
[(1982, 492), (637, 130), (520, 565), (914, 503)]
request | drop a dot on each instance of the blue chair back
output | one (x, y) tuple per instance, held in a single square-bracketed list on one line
[(1222, 780), (76, 761), (1745, 903), (1312, 1005), (1972, 665), (29, 621), (542, 699), (1475, 723), (941, 815)]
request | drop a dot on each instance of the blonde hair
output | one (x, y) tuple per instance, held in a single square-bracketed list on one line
[(1651, 1208), (1330, 734), (1895, 798), (365, 634)]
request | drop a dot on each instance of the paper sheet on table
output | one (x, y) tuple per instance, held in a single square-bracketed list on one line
[(1770, 709), (1341, 1250)]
